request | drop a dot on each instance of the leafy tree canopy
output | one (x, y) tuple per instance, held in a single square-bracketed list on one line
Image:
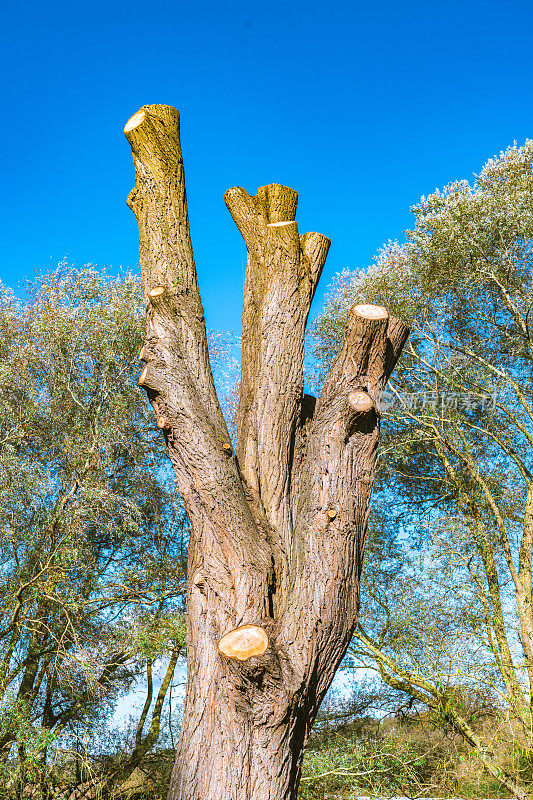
[(451, 623), (93, 539)]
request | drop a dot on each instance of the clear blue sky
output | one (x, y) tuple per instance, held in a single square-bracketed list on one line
[(361, 107)]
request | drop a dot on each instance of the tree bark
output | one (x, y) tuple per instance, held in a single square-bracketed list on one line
[(278, 527)]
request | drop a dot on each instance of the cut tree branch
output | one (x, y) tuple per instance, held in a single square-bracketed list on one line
[(282, 273), (178, 376)]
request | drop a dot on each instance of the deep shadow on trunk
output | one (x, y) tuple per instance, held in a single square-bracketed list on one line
[(278, 527)]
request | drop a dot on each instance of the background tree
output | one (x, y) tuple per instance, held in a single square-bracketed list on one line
[(451, 624), (278, 527), (93, 538)]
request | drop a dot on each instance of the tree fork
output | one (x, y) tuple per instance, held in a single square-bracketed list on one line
[(278, 529)]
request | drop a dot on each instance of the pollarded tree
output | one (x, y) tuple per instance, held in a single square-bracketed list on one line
[(278, 526)]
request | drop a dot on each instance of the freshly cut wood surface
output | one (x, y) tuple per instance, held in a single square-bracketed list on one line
[(142, 376), (371, 312), (360, 401), (157, 291), (134, 121), (244, 642)]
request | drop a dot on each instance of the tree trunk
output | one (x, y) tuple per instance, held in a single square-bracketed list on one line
[(278, 527)]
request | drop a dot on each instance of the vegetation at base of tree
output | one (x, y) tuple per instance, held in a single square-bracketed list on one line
[(400, 757), (406, 755)]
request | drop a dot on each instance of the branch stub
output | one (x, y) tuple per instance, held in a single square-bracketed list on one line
[(134, 121), (371, 312), (244, 642), (143, 375), (360, 401), (156, 292)]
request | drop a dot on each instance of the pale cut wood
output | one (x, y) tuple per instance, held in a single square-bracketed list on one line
[(360, 401), (157, 291), (134, 121), (244, 642), (371, 312), (142, 376)]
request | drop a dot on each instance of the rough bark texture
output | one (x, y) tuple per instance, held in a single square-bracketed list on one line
[(278, 527)]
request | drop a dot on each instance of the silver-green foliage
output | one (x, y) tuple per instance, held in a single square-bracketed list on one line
[(453, 619), (92, 537)]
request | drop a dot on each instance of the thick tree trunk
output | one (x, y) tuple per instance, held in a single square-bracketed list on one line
[(278, 527)]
